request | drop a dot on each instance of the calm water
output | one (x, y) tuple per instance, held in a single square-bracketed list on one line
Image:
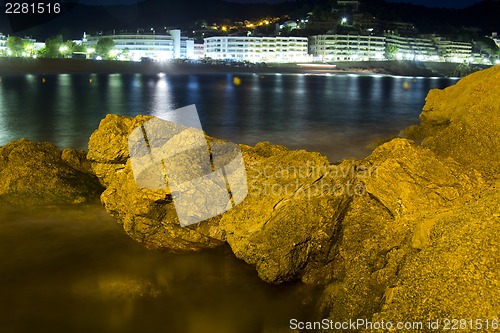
[(336, 115), (72, 269)]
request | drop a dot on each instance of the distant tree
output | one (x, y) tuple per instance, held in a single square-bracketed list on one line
[(486, 45), (104, 47), (67, 48), (52, 47), (79, 48), (125, 53), (15, 46), (390, 51), (29, 48), (320, 13)]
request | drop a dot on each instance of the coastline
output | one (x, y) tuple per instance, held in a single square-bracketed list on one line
[(10, 66)]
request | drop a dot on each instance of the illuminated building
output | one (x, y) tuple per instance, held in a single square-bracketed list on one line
[(412, 48), (3, 44), (451, 51), (167, 46), (257, 49), (347, 47)]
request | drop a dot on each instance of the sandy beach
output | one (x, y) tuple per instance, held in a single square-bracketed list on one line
[(55, 66)]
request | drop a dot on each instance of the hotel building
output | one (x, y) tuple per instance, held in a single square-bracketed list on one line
[(347, 47), (3, 44), (411, 48), (450, 51), (257, 49), (168, 46)]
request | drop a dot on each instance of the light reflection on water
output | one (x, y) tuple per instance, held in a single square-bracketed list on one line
[(72, 269), (337, 115)]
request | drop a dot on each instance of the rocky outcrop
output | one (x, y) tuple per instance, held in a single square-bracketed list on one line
[(40, 173), (462, 122), (391, 223), (405, 234), (290, 220), (148, 216), (420, 246)]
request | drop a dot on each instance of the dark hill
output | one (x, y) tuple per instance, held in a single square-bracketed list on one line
[(77, 18)]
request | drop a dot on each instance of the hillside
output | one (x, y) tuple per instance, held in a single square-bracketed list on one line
[(77, 18)]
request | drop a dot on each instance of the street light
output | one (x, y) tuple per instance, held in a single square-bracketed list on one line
[(63, 49), (114, 53)]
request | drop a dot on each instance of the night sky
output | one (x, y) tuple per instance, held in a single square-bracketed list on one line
[(429, 3)]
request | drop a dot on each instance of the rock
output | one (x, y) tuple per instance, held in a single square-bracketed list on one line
[(456, 275), (405, 234), (290, 217), (287, 222), (419, 244), (108, 146), (40, 173), (462, 122), (389, 222), (148, 216)]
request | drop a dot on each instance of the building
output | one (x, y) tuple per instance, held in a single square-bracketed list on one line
[(451, 51), (495, 38), (347, 47), (412, 48), (166, 46), (257, 49), (30, 49), (199, 51), (3, 44)]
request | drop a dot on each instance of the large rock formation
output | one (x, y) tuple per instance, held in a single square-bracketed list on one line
[(292, 193), (148, 216), (290, 220), (40, 173), (420, 246), (406, 234), (462, 122)]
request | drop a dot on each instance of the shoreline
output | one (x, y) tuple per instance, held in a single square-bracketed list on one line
[(12, 66)]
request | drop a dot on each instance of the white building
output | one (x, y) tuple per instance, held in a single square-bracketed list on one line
[(411, 48), (148, 45), (199, 51), (3, 44), (347, 47), (450, 51), (257, 49)]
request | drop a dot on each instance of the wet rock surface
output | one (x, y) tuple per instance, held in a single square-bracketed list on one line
[(420, 244), (147, 215), (39, 173)]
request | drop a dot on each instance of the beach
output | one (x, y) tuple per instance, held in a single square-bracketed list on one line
[(69, 66)]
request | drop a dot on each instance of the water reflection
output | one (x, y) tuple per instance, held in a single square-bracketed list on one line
[(336, 115), (73, 270)]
